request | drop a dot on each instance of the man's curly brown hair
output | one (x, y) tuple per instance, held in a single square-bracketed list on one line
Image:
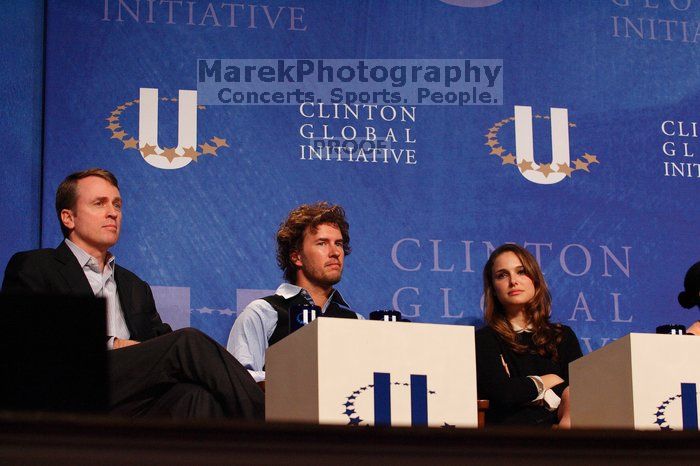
[(290, 235)]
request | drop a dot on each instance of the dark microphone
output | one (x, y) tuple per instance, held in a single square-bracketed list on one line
[(302, 314), (670, 329), (387, 315)]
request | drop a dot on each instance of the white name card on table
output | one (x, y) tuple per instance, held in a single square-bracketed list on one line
[(362, 372), (641, 381)]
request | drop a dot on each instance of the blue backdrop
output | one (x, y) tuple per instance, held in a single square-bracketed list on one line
[(614, 236), (21, 30)]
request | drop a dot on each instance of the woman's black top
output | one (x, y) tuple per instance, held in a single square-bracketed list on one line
[(510, 396)]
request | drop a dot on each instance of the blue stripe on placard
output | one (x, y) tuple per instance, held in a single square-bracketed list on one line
[(419, 400), (690, 406), (382, 399)]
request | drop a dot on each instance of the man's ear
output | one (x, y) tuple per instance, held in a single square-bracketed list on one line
[(67, 218), (296, 259)]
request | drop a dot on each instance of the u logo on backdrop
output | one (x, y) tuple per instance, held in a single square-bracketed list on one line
[(146, 143), (560, 167)]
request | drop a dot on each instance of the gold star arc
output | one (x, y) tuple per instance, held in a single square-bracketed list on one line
[(565, 169), (208, 149), (581, 165), (545, 169), (590, 158), (192, 153), (219, 142), (492, 141), (130, 143), (508, 160), (148, 149), (524, 165), (169, 153), (114, 126)]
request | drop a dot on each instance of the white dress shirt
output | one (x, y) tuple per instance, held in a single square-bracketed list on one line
[(248, 340), (104, 286)]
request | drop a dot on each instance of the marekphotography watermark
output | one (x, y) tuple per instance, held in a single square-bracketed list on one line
[(350, 81)]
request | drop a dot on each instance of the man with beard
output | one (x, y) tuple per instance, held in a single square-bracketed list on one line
[(311, 247)]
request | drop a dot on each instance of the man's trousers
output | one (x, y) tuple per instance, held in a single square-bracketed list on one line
[(183, 374)]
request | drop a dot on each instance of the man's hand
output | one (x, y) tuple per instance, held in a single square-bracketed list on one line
[(118, 343), (694, 329)]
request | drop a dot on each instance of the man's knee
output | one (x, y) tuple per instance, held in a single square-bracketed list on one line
[(194, 345), (192, 336), (190, 393), (188, 400), (190, 332)]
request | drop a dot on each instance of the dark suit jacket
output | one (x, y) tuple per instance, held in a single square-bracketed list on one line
[(57, 272)]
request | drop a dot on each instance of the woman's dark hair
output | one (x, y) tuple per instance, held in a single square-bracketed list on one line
[(545, 335), (691, 295)]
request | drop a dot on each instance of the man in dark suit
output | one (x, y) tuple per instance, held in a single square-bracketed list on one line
[(153, 370)]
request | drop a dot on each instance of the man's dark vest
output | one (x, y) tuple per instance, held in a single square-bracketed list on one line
[(282, 306)]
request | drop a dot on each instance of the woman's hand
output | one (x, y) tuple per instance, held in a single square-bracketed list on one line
[(564, 413), (551, 380)]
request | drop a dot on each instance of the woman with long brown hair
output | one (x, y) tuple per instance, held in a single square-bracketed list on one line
[(522, 358)]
